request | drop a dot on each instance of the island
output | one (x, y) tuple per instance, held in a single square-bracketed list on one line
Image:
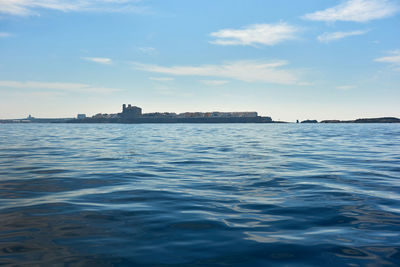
[(133, 114), (310, 121), (370, 120)]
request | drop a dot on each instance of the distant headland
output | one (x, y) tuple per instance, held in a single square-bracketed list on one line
[(133, 114), (370, 120)]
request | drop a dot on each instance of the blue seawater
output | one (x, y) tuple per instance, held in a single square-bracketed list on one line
[(199, 195)]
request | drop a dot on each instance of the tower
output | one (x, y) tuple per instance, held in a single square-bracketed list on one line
[(131, 111)]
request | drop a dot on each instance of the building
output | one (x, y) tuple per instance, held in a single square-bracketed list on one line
[(81, 116), (130, 111)]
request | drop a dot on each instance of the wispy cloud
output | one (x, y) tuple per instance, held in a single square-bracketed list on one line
[(30, 7), (147, 50), (57, 86), (356, 10), (334, 36), (393, 59), (214, 82), (263, 34), (247, 71), (4, 34), (100, 60), (162, 79)]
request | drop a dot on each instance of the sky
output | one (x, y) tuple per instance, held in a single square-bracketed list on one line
[(291, 60)]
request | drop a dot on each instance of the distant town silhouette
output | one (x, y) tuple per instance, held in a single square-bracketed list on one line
[(134, 114)]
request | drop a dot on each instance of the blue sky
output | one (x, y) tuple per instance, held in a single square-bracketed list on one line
[(306, 59)]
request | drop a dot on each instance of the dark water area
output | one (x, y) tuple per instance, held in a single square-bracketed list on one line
[(200, 195)]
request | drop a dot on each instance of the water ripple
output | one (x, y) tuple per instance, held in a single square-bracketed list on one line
[(199, 195)]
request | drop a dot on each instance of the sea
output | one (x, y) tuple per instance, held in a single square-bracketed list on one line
[(199, 194)]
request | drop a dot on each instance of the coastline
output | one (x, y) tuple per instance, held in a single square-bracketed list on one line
[(257, 120), (133, 115)]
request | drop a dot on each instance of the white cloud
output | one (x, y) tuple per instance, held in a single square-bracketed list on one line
[(31, 7), (4, 34), (248, 71), (100, 60), (393, 58), (214, 82), (356, 10), (162, 79), (333, 36), (264, 34), (57, 86)]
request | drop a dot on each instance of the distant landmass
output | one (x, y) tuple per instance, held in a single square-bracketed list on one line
[(133, 114), (371, 120), (310, 121)]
